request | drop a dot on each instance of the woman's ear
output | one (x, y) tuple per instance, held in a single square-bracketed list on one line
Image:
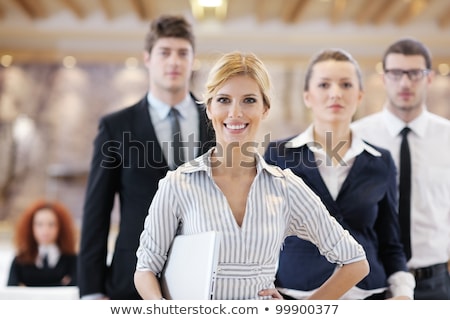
[(208, 112), (265, 112), (360, 96), (306, 99)]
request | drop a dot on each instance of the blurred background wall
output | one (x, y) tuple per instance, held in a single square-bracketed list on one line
[(65, 63)]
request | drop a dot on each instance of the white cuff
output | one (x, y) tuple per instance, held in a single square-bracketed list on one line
[(402, 283)]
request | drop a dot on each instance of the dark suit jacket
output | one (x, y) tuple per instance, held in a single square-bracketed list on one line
[(366, 206), (127, 161)]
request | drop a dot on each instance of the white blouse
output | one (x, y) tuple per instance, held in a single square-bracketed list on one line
[(279, 204)]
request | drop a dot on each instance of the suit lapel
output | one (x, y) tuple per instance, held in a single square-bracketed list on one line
[(145, 132), (359, 166), (307, 169)]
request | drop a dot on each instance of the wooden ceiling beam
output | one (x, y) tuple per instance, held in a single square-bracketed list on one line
[(25, 7), (149, 11), (105, 5), (293, 9), (382, 13), (365, 10), (32, 8), (75, 8), (414, 8), (444, 18), (139, 9), (337, 10), (260, 10)]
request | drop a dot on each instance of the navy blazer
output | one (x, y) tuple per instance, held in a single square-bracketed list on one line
[(366, 206), (32, 276), (128, 161)]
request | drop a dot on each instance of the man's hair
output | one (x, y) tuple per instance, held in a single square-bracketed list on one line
[(409, 47), (169, 26)]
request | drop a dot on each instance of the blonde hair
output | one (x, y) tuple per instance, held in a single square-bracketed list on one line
[(238, 64)]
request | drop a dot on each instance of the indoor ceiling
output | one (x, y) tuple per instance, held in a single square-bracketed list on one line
[(114, 29)]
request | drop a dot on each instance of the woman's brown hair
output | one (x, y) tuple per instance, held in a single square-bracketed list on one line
[(27, 247)]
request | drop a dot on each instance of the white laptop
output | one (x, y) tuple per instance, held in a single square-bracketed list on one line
[(190, 270)]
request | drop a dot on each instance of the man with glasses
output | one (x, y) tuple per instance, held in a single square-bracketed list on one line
[(419, 143)]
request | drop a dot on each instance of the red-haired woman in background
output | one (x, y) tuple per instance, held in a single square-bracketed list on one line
[(46, 247)]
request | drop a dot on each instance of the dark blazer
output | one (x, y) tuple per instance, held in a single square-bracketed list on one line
[(32, 276), (366, 206), (127, 161)]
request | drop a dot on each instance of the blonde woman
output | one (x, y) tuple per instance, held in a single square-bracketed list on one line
[(231, 189)]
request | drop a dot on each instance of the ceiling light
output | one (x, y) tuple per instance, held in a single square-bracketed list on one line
[(202, 9), (210, 3)]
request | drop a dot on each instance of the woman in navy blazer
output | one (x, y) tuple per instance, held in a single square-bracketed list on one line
[(355, 180), (46, 242)]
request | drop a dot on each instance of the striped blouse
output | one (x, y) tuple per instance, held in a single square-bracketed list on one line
[(279, 204)]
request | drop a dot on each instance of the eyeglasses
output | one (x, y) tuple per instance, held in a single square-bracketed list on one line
[(413, 74)]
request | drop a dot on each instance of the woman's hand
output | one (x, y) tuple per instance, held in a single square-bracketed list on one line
[(272, 293), (66, 280)]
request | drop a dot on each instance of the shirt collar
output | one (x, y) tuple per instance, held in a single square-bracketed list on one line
[(51, 251), (395, 124), (162, 109), (304, 138), (359, 145), (307, 138), (203, 163)]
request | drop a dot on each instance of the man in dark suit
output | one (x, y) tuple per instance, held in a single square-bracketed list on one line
[(132, 152)]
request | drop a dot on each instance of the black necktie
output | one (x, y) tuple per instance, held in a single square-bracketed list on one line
[(45, 262), (177, 144), (405, 193)]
